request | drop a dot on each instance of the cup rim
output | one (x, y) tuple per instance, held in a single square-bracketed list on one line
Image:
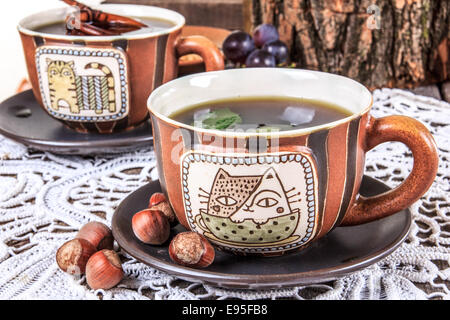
[(178, 20), (286, 133)]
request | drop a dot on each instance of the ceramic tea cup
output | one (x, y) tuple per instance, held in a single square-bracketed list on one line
[(101, 83), (322, 165)]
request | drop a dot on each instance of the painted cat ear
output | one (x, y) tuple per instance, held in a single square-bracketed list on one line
[(222, 174), (48, 60), (71, 63), (270, 173)]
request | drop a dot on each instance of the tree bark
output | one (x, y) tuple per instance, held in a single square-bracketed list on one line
[(381, 43)]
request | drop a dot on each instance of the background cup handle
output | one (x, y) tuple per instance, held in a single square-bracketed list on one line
[(205, 48), (420, 141)]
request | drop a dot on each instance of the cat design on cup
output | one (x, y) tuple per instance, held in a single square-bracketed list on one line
[(75, 92), (251, 201), (255, 208)]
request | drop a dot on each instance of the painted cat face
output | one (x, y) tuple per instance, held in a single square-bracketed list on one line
[(268, 200), (60, 69), (240, 198), (228, 193)]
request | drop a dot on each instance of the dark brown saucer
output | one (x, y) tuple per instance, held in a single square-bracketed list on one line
[(344, 250), (23, 120)]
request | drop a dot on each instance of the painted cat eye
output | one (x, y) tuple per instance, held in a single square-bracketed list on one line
[(226, 200), (267, 202)]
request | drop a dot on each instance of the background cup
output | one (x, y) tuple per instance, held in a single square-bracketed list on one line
[(309, 178), (106, 79)]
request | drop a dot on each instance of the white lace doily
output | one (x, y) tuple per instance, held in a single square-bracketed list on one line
[(45, 198)]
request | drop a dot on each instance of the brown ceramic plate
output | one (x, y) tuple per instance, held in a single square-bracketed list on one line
[(342, 251), (23, 120)]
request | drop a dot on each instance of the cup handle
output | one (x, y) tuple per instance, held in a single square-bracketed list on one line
[(420, 141), (205, 48)]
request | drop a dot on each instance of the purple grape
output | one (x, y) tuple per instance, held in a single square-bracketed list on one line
[(278, 49), (265, 33), (237, 46), (260, 59)]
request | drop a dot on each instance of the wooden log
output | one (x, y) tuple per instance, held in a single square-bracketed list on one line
[(428, 91), (445, 90), (227, 14), (381, 43)]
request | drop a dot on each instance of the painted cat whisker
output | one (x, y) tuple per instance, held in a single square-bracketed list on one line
[(204, 191), (293, 195), (290, 190)]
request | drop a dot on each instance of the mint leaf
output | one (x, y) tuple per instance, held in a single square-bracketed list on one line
[(219, 119)]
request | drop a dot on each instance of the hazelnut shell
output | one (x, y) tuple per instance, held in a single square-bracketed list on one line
[(191, 249), (165, 208), (73, 256), (98, 234), (156, 198), (104, 270), (151, 226)]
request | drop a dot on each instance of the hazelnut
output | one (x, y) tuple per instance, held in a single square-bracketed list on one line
[(165, 208), (191, 249), (156, 198), (104, 270), (73, 255), (151, 226), (98, 234), (159, 201)]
